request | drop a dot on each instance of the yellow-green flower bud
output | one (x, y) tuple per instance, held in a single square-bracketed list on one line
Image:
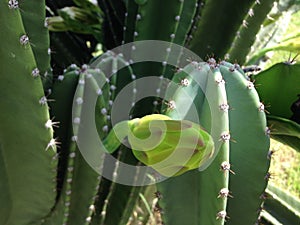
[(171, 147)]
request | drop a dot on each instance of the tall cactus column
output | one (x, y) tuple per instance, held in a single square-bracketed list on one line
[(26, 136), (229, 108)]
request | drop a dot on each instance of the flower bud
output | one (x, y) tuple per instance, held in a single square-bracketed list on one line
[(171, 147)]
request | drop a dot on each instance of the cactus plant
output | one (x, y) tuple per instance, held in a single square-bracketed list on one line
[(49, 116)]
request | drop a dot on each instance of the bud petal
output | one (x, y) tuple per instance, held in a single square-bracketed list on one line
[(171, 147)]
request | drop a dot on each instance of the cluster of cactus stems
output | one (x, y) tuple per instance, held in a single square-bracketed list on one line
[(44, 179)]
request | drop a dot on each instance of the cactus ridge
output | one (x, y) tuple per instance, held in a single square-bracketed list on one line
[(268, 36), (71, 201), (113, 24), (21, 88), (195, 22), (246, 34), (281, 76), (82, 206), (186, 20), (61, 211), (242, 155), (214, 113), (36, 28), (118, 196), (130, 20), (198, 78), (207, 39), (144, 20), (224, 88)]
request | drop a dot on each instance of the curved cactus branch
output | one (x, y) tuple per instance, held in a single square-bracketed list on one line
[(26, 134)]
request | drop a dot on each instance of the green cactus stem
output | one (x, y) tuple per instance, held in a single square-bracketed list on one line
[(221, 193), (207, 40), (279, 78), (36, 29), (26, 135), (246, 34)]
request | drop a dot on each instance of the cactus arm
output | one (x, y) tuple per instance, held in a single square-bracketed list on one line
[(281, 77), (207, 40), (249, 150), (194, 94), (5, 196), (238, 89), (35, 26), (214, 180), (199, 211), (285, 131), (195, 22), (63, 93), (26, 149), (83, 193), (112, 25), (168, 11), (283, 206), (184, 21), (73, 206), (162, 28), (187, 17), (60, 109), (122, 198), (185, 96), (268, 36), (82, 205), (119, 199), (130, 20), (246, 34), (60, 213), (172, 193), (116, 201)]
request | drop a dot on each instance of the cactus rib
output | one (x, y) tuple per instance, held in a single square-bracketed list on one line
[(26, 136)]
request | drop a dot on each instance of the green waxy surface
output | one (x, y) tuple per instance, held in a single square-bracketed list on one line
[(130, 21), (214, 35), (67, 85), (196, 209), (5, 195), (84, 193), (282, 205), (213, 178), (277, 89), (33, 16), (249, 148), (76, 202), (246, 34), (25, 151), (285, 131), (242, 99), (162, 27)]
